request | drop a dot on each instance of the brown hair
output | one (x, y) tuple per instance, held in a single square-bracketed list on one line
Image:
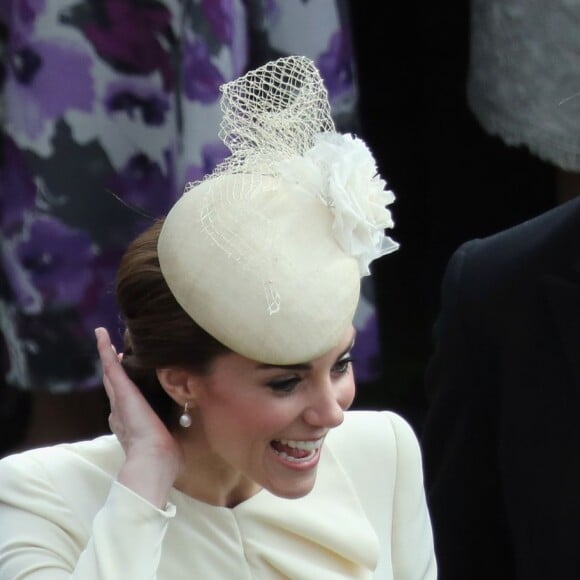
[(158, 332)]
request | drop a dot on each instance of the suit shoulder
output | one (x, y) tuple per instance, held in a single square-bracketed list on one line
[(382, 434), (61, 464), (550, 237), (494, 268)]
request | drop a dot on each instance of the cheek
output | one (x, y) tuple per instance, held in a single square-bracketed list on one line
[(239, 422), (347, 392), (270, 418)]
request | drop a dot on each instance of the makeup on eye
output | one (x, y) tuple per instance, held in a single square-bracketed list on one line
[(288, 383), (285, 385), (342, 365)]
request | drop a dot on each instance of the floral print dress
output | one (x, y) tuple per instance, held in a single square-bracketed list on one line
[(108, 108)]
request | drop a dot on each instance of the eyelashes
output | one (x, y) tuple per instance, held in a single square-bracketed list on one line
[(284, 385), (288, 384), (342, 366)]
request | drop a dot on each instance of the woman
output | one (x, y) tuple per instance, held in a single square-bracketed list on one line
[(232, 454)]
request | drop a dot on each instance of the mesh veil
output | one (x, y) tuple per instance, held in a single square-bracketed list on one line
[(270, 114)]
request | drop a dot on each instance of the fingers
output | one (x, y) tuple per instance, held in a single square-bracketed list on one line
[(107, 357), (116, 382), (113, 373), (106, 349)]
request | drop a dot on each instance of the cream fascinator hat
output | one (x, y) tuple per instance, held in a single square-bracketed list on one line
[(267, 252)]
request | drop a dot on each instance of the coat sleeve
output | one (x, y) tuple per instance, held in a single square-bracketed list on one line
[(459, 438), (412, 537), (42, 539)]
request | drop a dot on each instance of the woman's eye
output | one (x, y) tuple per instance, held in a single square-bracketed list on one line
[(284, 385), (342, 366)]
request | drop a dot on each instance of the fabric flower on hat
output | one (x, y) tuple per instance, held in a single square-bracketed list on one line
[(341, 170)]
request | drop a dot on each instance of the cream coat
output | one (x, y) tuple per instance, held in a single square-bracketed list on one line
[(63, 515)]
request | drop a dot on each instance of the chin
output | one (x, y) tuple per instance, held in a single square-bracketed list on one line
[(293, 491)]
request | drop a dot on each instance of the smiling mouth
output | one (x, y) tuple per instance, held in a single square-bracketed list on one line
[(296, 451)]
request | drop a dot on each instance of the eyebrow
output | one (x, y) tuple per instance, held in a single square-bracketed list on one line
[(306, 366)]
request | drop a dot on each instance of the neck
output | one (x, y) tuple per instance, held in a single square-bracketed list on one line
[(208, 478)]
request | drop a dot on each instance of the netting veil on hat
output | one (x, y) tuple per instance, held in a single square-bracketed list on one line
[(266, 253)]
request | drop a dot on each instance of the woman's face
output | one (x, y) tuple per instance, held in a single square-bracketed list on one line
[(269, 423)]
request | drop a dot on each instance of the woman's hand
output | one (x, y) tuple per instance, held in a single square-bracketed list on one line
[(153, 456)]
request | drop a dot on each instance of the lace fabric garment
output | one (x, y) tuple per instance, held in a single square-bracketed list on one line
[(524, 75)]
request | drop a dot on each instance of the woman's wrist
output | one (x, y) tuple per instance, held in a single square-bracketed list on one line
[(149, 475)]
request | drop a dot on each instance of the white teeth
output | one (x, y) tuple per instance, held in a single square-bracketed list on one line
[(302, 445)]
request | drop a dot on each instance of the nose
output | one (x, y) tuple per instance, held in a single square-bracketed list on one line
[(325, 408)]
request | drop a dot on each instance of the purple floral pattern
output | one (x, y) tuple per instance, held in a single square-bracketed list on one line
[(202, 78), (14, 177), (54, 264), (133, 37), (150, 105), (34, 91), (111, 107)]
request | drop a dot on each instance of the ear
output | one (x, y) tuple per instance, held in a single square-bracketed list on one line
[(181, 385)]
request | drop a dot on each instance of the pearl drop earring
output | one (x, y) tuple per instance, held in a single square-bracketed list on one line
[(185, 417)]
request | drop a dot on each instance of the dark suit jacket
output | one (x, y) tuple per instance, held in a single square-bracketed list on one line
[(501, 440)]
